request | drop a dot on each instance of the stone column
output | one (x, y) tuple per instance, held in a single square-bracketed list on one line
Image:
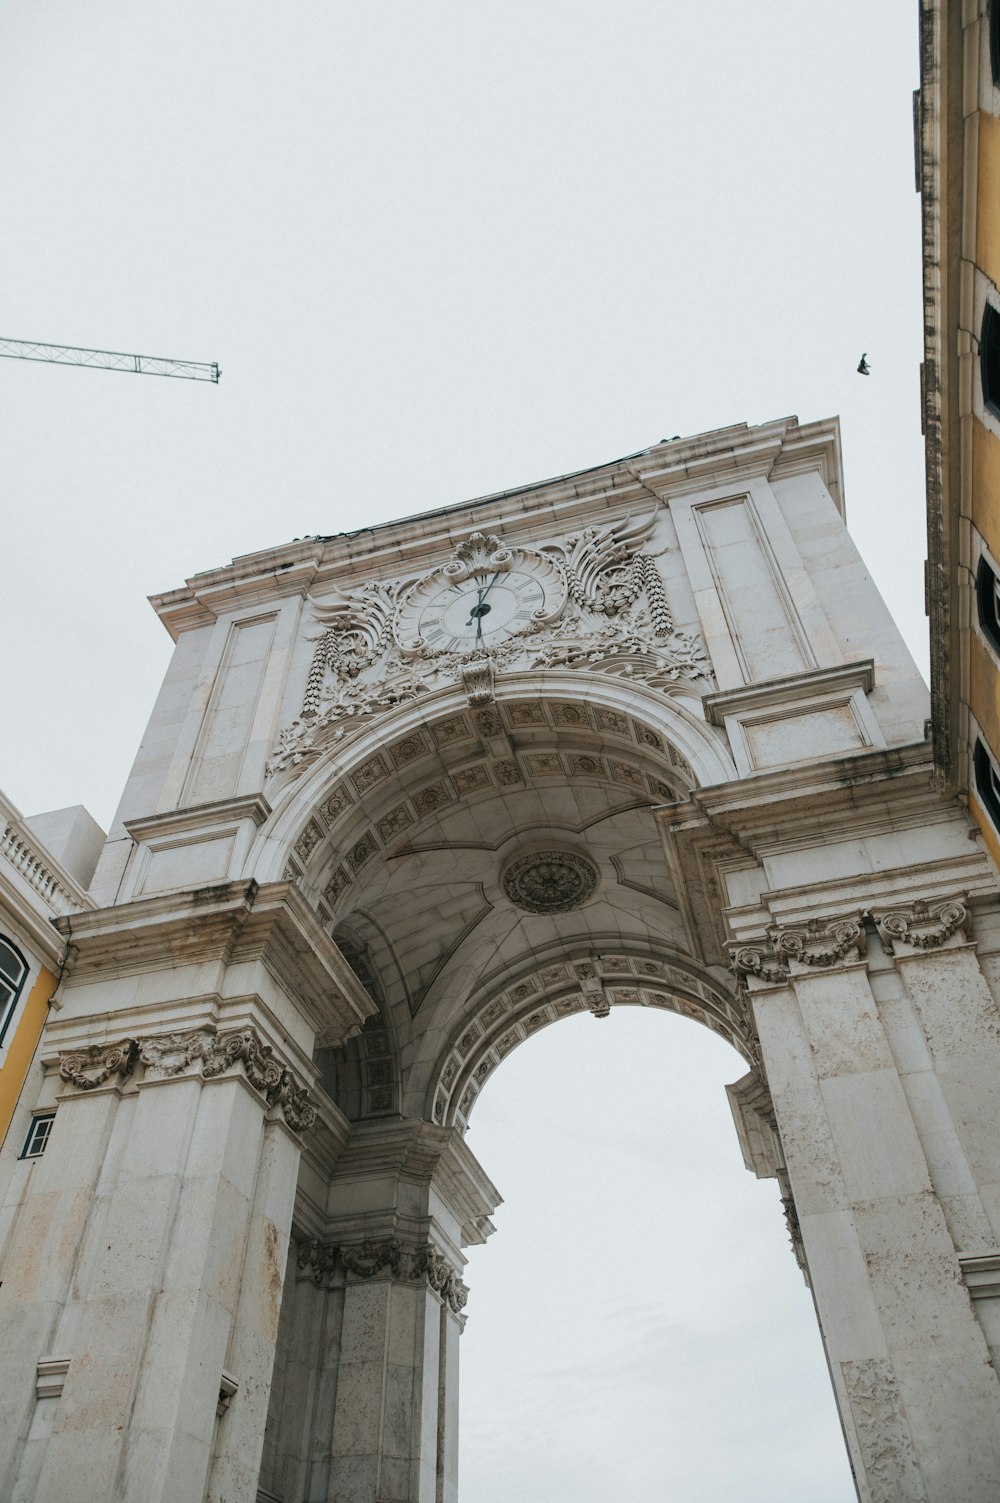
[(297, 1437), (143, 1269), (405, 1197), (918, 1396), (175, 1242), (254, 1331)]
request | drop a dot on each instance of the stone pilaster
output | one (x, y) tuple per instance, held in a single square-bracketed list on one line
[(907, 1355), (405, 1196), (146, 1247)]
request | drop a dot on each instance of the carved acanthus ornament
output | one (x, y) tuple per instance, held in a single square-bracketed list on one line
[(924, 925), (603, 608), (171, 1054)]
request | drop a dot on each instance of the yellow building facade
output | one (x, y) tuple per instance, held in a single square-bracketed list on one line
[(36, 887), (958, 175)]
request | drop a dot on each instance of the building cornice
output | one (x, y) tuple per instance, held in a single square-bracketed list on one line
[(36, 889), (230, 923), (630, 485)]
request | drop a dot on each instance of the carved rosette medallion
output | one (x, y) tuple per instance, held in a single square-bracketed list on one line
[(549, 881), (168, 1055)]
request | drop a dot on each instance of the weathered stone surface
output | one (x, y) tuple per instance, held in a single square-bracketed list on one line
[(640, 737)]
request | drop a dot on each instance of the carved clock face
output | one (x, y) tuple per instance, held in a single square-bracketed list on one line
[(481, 610)]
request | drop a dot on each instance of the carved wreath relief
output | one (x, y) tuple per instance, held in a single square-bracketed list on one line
[(591, 601)]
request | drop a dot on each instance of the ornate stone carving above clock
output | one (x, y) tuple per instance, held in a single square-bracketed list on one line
[(593, 600)]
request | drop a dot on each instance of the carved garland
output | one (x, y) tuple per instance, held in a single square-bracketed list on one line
[(819, 943), (319, 1262), (170, 1054), (925, 925)]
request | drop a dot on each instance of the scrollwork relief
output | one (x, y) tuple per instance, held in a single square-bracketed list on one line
[(605, 609), (820, 942), (428, 1263), (759, 962), (168, 1055), (317, 1261), (96, 1064), (389, 1258)]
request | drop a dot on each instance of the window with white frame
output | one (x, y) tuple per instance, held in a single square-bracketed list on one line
[(38, 1135), (13, 969)]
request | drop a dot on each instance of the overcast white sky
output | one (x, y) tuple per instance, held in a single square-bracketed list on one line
[(440, 249)]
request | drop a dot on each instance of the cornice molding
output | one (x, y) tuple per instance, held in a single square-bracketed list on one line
[(230, 922), (423, 1153), (789, 690), (199, 816), (768, 807), (519, 515)]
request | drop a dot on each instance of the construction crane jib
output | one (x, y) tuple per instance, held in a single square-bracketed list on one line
[(109, 360)]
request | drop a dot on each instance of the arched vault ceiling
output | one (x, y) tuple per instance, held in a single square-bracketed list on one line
[(407, 852)]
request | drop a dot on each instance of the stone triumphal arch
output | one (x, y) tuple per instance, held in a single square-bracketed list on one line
[(640, 736)]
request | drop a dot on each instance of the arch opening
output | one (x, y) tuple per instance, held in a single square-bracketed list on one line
[(497, 868), (638, 1321)]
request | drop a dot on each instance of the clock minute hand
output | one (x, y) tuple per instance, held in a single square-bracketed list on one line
[(477, 611), (474, 612)]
